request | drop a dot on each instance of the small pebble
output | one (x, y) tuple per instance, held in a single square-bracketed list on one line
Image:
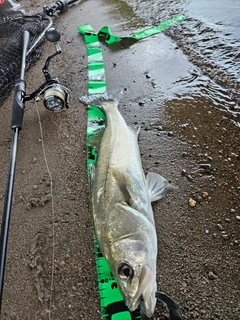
[(189, 177), (238, 218), (192, 202), (204, 194), (211, 275), (153, 84), (205, 166)]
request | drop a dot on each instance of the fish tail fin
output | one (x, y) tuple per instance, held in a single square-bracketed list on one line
[(158, 186), (97, 99)]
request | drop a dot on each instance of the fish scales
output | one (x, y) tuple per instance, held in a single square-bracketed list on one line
[(118, 159)]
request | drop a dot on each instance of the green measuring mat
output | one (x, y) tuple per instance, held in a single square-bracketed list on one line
[(111, 300), (109, 38)]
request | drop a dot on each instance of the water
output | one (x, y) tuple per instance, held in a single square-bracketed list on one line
[(209, 39), (224, 14)]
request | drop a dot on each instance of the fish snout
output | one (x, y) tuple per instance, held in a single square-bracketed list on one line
[(146, 291), (149, 300), (149, 291), (148, 297)]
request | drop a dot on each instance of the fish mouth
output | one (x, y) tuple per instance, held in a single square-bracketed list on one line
[(146, 292), (149, 300)]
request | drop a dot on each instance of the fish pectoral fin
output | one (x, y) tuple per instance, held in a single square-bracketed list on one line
[(123, 182), (158, 186)]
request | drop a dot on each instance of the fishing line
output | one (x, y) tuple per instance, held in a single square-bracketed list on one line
[(52, 208)]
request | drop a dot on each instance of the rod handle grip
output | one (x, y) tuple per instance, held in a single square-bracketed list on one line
[(20, 87)]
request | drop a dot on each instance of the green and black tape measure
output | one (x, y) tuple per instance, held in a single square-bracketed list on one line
[(111, 300)]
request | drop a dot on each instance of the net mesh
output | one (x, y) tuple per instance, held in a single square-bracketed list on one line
[(11, 31)]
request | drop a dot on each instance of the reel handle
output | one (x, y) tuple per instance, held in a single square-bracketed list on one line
[(53, 34)]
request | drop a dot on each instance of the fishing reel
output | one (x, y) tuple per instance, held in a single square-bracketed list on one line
[(61, 5), (55, 95)]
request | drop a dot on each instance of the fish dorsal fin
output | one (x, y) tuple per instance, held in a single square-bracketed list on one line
[(136, 129), (158, 186), (95, 136), (92, 172)]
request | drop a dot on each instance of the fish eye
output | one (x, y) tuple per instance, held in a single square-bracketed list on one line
[(125, 271)]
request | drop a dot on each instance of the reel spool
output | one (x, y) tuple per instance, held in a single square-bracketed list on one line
[(54, 98)]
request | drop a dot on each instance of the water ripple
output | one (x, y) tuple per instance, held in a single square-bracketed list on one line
[(211, 45)]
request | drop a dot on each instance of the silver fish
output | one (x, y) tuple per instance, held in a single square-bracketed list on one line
[(121, 199)]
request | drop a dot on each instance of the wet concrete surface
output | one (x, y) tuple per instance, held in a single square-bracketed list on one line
[(186, 136)]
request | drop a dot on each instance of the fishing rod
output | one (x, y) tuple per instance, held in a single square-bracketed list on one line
[(17, 118), (55, 98)]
